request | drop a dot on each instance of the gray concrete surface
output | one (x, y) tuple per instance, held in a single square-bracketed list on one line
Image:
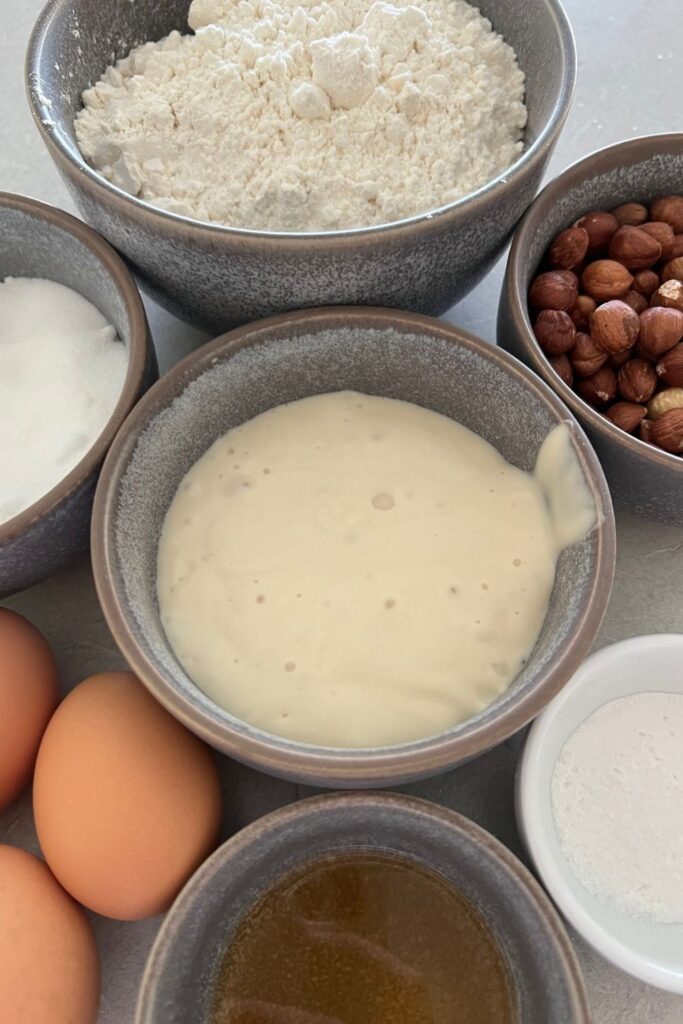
[(630, 83)]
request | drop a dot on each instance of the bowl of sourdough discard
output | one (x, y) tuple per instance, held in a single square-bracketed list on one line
[(248, 161)]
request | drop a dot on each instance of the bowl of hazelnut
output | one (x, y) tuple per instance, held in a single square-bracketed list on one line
[(593, 302)]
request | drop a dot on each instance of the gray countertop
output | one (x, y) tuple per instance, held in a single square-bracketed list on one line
[(630, 83)]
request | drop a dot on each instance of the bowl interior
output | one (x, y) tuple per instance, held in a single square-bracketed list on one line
[(75, 40), (652, 952), (288, 358), (180, 978), (35, 243)]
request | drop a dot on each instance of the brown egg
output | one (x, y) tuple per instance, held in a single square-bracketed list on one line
[(49, 967), (28, 696), (127, 802)]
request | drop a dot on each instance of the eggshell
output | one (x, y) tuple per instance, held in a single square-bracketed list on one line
[(28, 696), (49, 967), (127, 802)]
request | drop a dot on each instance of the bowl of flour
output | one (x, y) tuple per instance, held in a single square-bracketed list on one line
[(256, 157), (76, 355)]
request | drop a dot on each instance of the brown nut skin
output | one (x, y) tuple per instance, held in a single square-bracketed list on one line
[(670, 366), (617, 359), (663, 402), (632, 214), (677, 249), (555, 331), (581, 311), (669, 295), (586, 358), (635, 248), (556, 289), (614, 326), (626, 415), (673, 270), (637, 380), (569, 248), (636, 301), (646, 282), (660, 330), (600, 388), (670, 210), (606, 279), (662, 233), (600, 226), (667, 431), (563, 369), (644, 432)]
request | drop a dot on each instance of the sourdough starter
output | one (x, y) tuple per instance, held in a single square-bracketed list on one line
[(357, 571)]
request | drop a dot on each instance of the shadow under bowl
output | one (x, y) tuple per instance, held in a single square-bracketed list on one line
[(378, 352), (643, 479), (180, 979), (41, 241), (218, 276)]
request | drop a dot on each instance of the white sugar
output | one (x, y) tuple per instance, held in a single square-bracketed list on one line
[(62, 370)]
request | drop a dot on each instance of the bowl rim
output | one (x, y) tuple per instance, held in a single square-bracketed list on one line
[(212, 233), (289, 819), (533, 830), (586, 169), (326, 766), (139, 343)]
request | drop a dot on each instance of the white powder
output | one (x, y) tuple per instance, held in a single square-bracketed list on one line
[(302, 115), (62, 370), (617, 794)]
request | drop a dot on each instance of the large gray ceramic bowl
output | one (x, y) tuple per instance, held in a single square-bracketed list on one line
[(219, 276), (39, 241), (643, 479), (180, 978), (380, 352)]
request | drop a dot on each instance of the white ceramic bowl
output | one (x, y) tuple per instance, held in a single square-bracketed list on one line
[(649, 951)]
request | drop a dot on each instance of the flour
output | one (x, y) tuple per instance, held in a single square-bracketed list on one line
[(302, 115), (617, 793)]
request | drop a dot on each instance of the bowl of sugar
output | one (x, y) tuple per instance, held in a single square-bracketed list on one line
[(248, 163), (331, 543), (76, 355), (600, 805)]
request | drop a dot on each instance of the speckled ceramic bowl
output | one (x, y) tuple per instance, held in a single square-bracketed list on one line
[(180, 978), (220, 277), (643, 479), (237, 376), (39, 241)]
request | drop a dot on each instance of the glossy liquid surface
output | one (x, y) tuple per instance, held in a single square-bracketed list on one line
[(363, 938)]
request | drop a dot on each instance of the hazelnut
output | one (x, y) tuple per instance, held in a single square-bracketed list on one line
[(600, 388), (630, 213), (646, 282), (563, 369), (636, 301), (600, 226), (614, 326), (660, 330), (581, 311), (635, 248), (586, 358), (556, 289), (669, 295), (617, 359), (606, 279), (555, 331), (644, 432), (670, 366), (667, 431), (662, 233), (665, 401), (677, 249), (637, 380), (670, 210), (626, 415), (673, 270), (570, 248)]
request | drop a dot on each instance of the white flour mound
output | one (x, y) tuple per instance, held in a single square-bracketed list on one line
[(305, 115)]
